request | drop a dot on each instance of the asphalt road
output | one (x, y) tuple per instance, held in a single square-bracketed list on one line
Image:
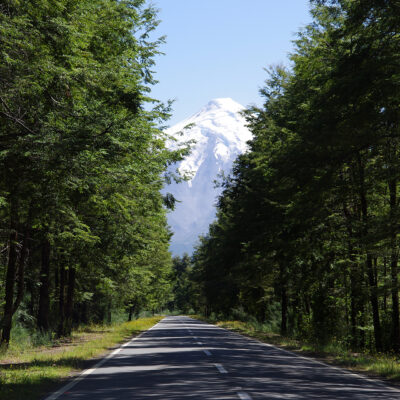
[(182, 358)]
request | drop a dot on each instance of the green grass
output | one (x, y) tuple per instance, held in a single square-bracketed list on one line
[(29, 373), (385, 366)]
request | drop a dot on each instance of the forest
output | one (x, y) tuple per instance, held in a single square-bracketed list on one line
[(307, 227), (83, 159), (306, 234)]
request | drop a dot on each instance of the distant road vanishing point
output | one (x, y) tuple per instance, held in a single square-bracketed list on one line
[(183, 358)]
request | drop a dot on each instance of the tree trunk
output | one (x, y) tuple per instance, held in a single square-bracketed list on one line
[(354, 278), (393, 266), (44, 293), (374, 304), (353, 300), (373, 290), (10, 283), (284, 299), (61, 303), (384, 287), (109, 316), (69, 306), (131, 311), (284, 305), (23, 257)]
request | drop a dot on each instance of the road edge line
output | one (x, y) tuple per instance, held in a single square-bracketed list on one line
[(55, 395), (377, 381)]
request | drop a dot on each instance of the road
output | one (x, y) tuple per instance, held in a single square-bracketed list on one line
[(182, 358)]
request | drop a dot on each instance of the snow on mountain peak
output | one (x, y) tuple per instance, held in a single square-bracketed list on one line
[(218, 125), (220, 135)]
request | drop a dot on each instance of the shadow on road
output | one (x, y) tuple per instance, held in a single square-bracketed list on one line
[(168, 363)]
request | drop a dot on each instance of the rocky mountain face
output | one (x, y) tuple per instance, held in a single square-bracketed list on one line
[(220, 135)]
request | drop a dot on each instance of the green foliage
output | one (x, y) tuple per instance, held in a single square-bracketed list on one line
[(82, 163), (182, 289), (308, 217)]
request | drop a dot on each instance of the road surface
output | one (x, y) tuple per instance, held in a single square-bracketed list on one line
[(182, 358)]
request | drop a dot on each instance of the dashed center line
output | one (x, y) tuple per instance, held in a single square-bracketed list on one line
[(207, 353), (221, 369), (243, 396), (199, 342)]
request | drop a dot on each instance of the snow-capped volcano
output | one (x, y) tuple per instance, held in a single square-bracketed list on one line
[(220, 135)]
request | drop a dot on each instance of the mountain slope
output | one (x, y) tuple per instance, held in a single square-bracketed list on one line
[(220, 135)]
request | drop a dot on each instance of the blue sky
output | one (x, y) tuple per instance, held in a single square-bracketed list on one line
[(219, 48)]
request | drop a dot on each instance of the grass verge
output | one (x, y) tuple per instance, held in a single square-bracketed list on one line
[(382, 366), (33, 372)]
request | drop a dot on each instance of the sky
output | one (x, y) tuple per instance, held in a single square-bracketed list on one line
[(220, 48)]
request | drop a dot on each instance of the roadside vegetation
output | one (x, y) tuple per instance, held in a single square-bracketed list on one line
[(83, 159), (308, 221), (306, 237), (305, 241), (29, 370)]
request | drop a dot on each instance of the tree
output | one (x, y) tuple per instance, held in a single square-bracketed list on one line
[(82, 160), (309, 214)]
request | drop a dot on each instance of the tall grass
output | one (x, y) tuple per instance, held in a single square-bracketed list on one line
[(23, 339)]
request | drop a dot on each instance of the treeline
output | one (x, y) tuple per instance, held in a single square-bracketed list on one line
[(83, 227), (308, 221)]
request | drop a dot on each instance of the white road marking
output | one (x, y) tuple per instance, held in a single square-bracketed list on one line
[(243, 396), (199, 343), (221, 369), (359, 376), (208, 353), (83, 374)]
